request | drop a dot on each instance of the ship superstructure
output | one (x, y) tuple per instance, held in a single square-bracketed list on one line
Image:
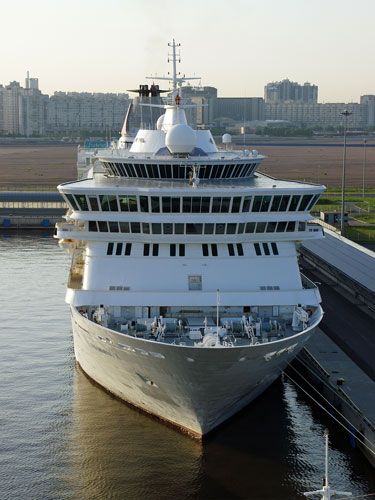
[(186, 296)]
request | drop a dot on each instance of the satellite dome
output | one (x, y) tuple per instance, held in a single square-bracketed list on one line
[(159, 123), (180, 139), (227, 139)]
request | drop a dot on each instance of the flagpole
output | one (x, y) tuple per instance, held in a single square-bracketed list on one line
[(217, 315)]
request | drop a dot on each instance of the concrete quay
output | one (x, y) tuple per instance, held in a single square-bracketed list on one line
[(340, 380)]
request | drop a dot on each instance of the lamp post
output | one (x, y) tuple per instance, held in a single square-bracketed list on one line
[(345, 114), (364, 167)]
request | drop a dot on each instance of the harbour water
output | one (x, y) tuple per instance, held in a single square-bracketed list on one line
[(62, 437)]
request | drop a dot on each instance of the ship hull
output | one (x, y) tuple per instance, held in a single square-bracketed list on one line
[(195, 389)]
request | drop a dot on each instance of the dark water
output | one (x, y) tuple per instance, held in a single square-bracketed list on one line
[(64, 438)]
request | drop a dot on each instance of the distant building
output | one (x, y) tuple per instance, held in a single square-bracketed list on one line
[(205, 98), (83, 111), (285, 91), (369, 102), (239, 109), (309, 115), (23, 111)]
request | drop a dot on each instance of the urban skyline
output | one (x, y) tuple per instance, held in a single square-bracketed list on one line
[(77, 47)]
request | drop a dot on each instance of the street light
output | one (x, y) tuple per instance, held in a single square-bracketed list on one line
[(345, 114), (364, 167)]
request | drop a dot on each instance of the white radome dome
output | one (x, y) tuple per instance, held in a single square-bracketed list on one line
[(227, 139), (180, 139), (159, 123)]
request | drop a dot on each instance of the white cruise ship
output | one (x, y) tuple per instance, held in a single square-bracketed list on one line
[(185, 292)]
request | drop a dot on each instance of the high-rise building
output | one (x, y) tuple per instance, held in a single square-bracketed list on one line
[(240, 109), (284, 91), (369, 101)]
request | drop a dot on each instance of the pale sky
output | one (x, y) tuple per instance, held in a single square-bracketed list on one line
[(235, 45)]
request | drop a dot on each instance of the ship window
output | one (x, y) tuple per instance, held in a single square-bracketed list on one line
[(168, 171), (128, 170), (208, 171), (284, 203), (290, 227), (108, 203), (205, 250), (225, 205), (265, 203), (124, 227), (92, 225), (175, 205), (82, 202), (215, 171), (209, 229), (275, 203), (205, 206), (186, 204), (179, 228), (175, 171), (143, 170), (119, 249), (271, 227), (236, 204), (281, 226), (155, 249), (266, 249), (305, 201), (261, 227), (156, 228), (94, 203), (103, 228), (133, 203), (135, 227), (155, 171), (257, 249), (196, 204), (124, 203), (236, 170), (172, 250), (216, 205), (128, 249), (155, 204), (240, 249), (313, 201), (145, 228), (219, 228), (163, 174), (143, 203), (72, 201), (250, 227), (230, 249), (241, 228), (146, 249), (194, 228), (167, 228), (110, 249), (294, 203), (257, 203), (166, 204), (113, 227), (246, 204), (301, 226), (231, 228), (274, 249), (137, 170), (214, 249), (181, 250)]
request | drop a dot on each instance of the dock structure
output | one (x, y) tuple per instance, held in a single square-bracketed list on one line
[(348, 388), (340, 357), (31, 209)]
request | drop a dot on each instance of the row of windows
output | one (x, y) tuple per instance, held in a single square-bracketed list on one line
[(192, 204), (179, 228), (177, 171), (208, 250)]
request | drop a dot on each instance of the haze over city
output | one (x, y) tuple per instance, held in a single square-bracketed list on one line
[(236, 46)]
